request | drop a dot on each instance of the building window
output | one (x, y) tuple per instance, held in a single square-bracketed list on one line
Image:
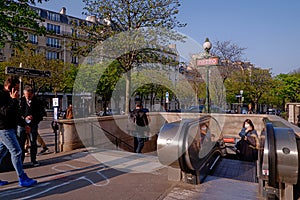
[(53, 42), (52, 55), (13, 53), (53, 28), (53, 16), (38, 11), (74, 59), (73, 22), (74, 32), (33, 39)]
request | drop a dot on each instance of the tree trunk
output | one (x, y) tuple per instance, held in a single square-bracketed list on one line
[(127, 95)]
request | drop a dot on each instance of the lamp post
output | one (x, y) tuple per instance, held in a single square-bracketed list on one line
[(206, 61), (241, 99), (207, 46)]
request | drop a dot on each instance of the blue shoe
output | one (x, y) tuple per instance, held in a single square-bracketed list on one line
[(3, 183), (24, 181)]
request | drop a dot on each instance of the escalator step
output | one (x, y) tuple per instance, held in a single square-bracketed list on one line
[(236, 169)]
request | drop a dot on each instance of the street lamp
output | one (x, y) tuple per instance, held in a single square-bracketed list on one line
[(207, 46), (241, 92), (241, 99), (207, 60)]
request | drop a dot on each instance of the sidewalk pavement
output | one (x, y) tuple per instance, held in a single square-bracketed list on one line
[(112, 175), (80, 174)]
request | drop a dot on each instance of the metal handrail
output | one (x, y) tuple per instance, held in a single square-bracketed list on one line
[(117, 140)]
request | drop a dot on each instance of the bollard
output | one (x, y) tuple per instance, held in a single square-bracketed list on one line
[(54, 126)]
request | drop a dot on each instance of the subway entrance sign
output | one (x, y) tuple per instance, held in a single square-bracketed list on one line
[(208, 61), (27, 72)]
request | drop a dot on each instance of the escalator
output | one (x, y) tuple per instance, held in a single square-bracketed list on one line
[(276, 171), (235, 169), (184, 145)]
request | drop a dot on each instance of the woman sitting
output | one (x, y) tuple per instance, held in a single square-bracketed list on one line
[(247, 147)]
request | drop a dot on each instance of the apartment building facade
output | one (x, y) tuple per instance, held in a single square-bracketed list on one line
[(56, 44)]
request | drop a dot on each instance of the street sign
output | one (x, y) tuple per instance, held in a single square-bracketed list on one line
[(86, 97), (27, 72), (55, 102), (207, 61)]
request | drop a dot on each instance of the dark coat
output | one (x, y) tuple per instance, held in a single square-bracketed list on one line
[(248, 148), (9, 109), (138, 122), (36, 109)]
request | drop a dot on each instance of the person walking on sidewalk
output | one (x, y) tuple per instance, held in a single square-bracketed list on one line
[(45, 149), (9, 114), (32, 112), (140, 129)]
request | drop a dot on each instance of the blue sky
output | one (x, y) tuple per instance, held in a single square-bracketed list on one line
[(269, 29)]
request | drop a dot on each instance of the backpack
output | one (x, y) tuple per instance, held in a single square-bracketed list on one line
[(140, 118), (138, 121)]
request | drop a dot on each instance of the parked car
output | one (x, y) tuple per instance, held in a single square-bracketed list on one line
[(271, 111), (216, 109), (195, 109), (108, 112)]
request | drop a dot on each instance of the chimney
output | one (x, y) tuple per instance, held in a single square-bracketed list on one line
[(91, 18), (63, 11)]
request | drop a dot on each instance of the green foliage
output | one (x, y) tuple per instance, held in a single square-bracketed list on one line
[(288, 86), (133, 18), (62, 74), (17, 19), (254, 82), (2, 72), (109, 79)]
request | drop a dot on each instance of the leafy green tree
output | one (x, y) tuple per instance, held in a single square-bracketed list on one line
[(2, 72), (62, 74), (289, 86), (107, 83), (116, 16), (17, 20), (255, 82)]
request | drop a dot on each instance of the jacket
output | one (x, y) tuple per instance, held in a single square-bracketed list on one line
[(9, 111), (36, 110)]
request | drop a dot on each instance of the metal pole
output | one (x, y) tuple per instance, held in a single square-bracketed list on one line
[(55, 128), (207, 89), (21, 84), (55, 136)]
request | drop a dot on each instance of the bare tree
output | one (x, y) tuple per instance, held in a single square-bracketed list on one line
[(229, 54)]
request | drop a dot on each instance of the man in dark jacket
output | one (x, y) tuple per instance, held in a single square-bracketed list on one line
[(140, 119), (9, 114), (31, 113)]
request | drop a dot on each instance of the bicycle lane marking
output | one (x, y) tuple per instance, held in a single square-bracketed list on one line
[(56, 177)]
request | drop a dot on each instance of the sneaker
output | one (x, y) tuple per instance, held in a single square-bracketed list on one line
[(24, 181), (3, 183), (44, 150), (35, 164)]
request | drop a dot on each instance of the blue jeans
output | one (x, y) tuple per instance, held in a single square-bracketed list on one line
[(9, 142), (138, 144), (22, 136)]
